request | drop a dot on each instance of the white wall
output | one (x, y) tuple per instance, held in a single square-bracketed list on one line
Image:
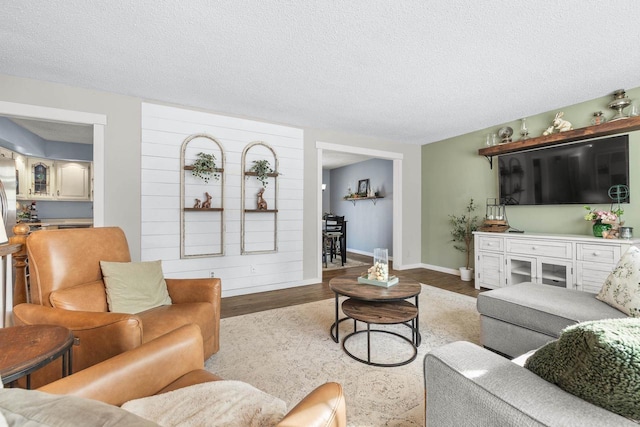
[(163, 131), (122, 159)]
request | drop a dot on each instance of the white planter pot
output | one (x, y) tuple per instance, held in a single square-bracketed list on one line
[(466, 275)]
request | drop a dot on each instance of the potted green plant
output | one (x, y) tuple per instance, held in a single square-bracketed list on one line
[(462, 228), (205, 167), (262, 169)]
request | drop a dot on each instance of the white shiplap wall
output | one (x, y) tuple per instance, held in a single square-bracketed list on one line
[(163, 131)]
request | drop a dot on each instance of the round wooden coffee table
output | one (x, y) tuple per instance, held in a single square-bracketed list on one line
[(381, 313), (25, 349), (348, 286)]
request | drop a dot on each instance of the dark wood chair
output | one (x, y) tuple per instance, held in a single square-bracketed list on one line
[(334, 238)]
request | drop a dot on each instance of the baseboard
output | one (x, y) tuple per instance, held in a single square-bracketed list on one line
[(441, 269), (407, 266), (359, 252), (270, 287)]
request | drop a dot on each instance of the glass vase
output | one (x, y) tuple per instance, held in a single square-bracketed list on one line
[(599, 227), (380, 265)]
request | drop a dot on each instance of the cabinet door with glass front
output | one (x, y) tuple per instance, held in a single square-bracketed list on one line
[(546, 271), (555, 272), (41, 178)]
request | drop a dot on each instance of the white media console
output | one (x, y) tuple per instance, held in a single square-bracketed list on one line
[(573, 261)]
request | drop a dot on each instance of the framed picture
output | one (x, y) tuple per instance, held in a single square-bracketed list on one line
[(363, 187)]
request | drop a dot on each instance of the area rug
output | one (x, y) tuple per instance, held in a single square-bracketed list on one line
[(288, 352), (337, 264)]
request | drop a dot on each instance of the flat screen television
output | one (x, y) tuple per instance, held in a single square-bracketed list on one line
[(575, 173)]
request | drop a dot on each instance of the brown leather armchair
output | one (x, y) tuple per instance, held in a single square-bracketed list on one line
[(151, 369), (67, 289)]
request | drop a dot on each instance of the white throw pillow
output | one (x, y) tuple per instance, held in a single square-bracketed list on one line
[(216, 403), (133, 287), (621, 290)]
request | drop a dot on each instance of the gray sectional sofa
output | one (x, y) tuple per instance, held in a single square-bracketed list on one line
[(467, 385), (517, 319), (472, 386)]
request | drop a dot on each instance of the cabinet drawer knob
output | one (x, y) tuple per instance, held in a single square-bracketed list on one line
[(533, 248), (596, 253)]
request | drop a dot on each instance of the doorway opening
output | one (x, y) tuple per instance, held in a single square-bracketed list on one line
[(58, 118), (360, 154)]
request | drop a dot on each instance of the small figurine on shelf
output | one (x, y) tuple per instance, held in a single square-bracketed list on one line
[(262, 203), (559, 124), (207, 203), (197, 204)]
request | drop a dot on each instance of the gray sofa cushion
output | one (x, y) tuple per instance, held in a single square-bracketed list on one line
[(543, 308)]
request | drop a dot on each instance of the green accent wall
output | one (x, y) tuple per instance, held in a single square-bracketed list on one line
[(453, 172)]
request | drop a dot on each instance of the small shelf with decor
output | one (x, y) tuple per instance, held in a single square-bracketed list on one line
[(201, 197), (374, 199), (259, 233), (629, 124), (203, 209)]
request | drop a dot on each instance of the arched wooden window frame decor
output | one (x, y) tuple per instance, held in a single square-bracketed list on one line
[(217, 208), (272, 211)]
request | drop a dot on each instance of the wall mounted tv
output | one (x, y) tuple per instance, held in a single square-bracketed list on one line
[(576, 173)]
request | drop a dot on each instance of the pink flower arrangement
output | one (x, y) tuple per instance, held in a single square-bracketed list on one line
[(605, 217)]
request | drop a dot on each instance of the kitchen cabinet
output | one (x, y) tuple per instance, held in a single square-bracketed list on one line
[(73, 181), (46, 179), (22, 176), (572, 261), (41, 177)]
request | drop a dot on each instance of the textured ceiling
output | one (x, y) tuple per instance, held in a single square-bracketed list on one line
[(408, 71)]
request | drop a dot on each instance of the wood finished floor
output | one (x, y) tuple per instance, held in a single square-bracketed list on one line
[(245, 304)]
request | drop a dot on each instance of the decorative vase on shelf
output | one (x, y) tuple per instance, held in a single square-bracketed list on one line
[(599, 227)]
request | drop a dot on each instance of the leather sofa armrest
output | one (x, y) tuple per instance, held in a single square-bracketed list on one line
[(99, 335), (324, 406), (468, 385), (194, 290), (31, 314), (140, 372)]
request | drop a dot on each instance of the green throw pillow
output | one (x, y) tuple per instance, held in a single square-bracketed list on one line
[(598, 361), (133, 287)]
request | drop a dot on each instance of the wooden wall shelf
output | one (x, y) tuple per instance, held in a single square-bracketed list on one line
[(608, 128), (203, 209), (355, 199), (272, 174), (190, 168), (261, 210)]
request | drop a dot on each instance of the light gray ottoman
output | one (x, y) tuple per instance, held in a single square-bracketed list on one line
[(519, 318)]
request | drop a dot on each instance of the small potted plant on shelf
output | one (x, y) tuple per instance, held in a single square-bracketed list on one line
[(205, 167), (262, 169), (462, 228)]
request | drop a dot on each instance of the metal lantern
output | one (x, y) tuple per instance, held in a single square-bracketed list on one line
[(495, 218)]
